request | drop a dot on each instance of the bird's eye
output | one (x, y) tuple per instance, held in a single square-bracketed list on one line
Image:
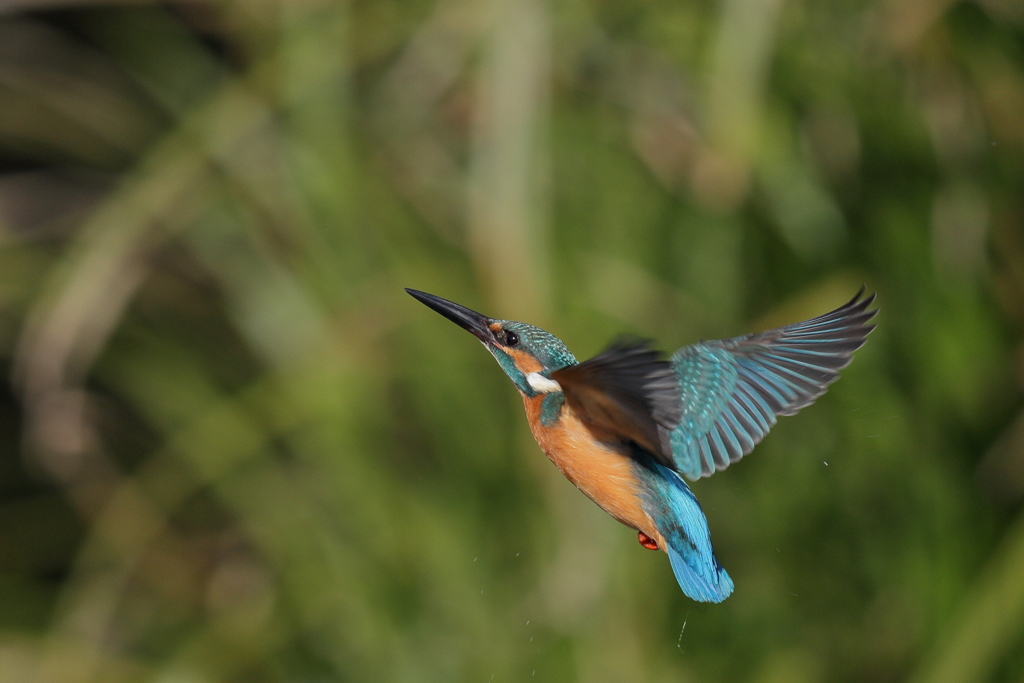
[(511, 339)]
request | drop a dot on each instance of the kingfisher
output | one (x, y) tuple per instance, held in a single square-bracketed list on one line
[(627, 425)]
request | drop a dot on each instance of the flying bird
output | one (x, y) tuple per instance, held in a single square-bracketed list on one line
[(627, 425)]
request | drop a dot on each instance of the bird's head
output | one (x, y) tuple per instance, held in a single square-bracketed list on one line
[(526, 353)]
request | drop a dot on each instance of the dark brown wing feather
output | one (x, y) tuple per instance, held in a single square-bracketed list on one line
[(625, 394)]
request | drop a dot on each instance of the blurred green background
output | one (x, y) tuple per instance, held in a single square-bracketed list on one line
[(233, 449)]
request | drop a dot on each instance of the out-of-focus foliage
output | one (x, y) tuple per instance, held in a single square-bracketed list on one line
[(234, 450)]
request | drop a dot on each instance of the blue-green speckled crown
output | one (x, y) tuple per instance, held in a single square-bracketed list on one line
[(548, 349)]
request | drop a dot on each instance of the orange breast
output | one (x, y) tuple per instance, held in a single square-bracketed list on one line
[(606, 477)]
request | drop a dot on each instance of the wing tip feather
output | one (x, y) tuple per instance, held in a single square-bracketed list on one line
[(778, 373)]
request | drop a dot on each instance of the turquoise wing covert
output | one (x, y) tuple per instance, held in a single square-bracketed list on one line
[(733, 390)]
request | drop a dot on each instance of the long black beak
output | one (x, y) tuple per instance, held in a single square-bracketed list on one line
[(465, 318)]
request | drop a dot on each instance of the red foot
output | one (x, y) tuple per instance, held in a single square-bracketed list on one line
[(646, 541)]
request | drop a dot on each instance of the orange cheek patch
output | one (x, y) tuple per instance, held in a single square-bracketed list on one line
[(524, 361)]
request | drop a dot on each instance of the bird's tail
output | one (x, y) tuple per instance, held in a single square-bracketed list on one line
[(688, 542), (698, 585)]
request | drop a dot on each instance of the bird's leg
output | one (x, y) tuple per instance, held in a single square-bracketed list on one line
[(646, 541)]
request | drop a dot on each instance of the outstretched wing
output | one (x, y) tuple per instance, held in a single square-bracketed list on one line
[(625, 393), (732, 390)]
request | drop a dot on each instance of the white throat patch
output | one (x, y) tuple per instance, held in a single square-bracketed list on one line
[(542, 384)]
